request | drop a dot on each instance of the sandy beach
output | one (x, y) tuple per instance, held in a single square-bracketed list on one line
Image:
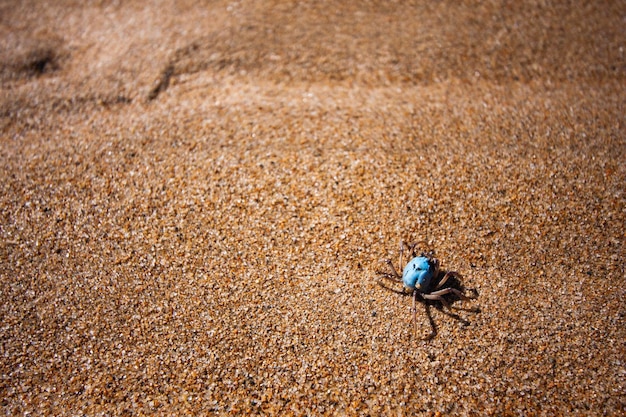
[(197, 198)]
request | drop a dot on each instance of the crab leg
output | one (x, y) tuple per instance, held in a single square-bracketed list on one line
[(445, 278), (433, 326), (414, 314), (412, 248), (438, 296), (393, 268), (445, 291)]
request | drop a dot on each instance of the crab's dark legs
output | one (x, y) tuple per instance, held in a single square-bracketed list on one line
[(414, 314), (394, 271), (410, 247), (433, 326), (445, 278), (393, 268), (438, 296), (393, 276)]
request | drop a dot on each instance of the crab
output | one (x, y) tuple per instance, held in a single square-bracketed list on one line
[(422, 278)]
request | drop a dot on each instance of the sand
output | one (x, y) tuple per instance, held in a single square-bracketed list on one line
[(196, 198)]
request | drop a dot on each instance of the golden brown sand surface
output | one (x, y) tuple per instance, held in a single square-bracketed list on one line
[(196, 198)]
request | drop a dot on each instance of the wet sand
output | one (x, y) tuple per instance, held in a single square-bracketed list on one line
[(196, 199)]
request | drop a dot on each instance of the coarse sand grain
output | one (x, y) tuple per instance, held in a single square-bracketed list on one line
[(196, 198)]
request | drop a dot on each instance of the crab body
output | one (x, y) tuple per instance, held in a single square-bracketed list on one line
[(419, 272), (421, 278)]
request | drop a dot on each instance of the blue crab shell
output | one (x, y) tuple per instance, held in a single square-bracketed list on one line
[(420, 271)]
